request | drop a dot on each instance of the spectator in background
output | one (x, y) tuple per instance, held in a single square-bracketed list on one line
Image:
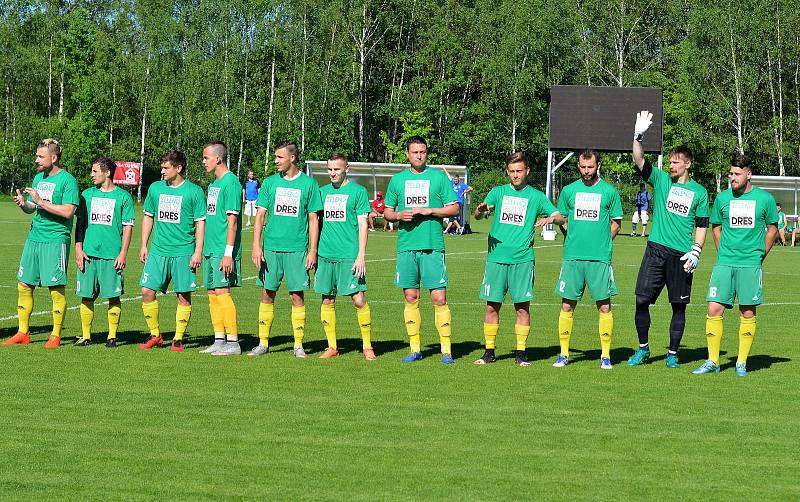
[(378, 205), (249, 195), (461, 189), (781, 224)]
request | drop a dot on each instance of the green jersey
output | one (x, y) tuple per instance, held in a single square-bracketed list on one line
[(407, 190), (102, 216), (60, 188), (288, 204), (781, 220), (589, 211), (175, 211), (744, 218), (515, 214), (343, 206), (676, 207), (224, 198)]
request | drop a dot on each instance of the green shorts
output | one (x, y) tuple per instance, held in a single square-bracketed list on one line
[(276, 264), (727, 283), (337, 278), (428, 265), (44, 263), (159, 271), (502, 278), (213, 277), (100, 278), (576, 275)]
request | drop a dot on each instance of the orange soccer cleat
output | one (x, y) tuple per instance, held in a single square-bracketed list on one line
[(369, 354), (53, 342), (329, 353), (153, 341), (19, 338)]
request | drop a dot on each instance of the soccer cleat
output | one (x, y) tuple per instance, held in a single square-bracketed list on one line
[(633, 234), (177, 346), (229, 349), (741, 369), (218, 344), (605, 363), (82, 342), (369, 354), (53, 342), (672, 361), (299, 352), (329, 353), (561, 361), (153, 341), (258, 350), (18, 338), (414, 356), (447, 359), (111, 343), (488, 357), (641, 355), (707, 367), (520, 359)]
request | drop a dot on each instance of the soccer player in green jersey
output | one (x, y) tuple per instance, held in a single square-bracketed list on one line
[(593, 209), (342, 254), (680, 209), (53, 199), (781, 224), (744, 225), (288, 249), (175, 213), (510, 263), (222, 248), (419, 198), (102, 237)]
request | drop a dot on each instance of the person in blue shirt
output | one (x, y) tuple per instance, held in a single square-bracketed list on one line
[(461, 189), (250, 195), (643, 200)]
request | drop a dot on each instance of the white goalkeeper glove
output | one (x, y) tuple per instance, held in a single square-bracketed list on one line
[(644, 120), (691, 259)]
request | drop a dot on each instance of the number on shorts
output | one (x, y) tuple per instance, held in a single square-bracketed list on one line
[(486, 288), (561, 286), (79, 286), (712, 292), (144, 276), (21, 270)]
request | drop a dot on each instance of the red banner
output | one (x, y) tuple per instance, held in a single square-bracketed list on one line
[(126, 173)]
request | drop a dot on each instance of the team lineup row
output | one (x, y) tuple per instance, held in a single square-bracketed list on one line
[(300, 226)]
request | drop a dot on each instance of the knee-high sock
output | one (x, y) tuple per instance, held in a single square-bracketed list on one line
[(677, 326), (87, 316), (298, 324), (747, 331), (564, 331), (150, 311), (327, 314), (522, 333), (714, 336), (443, 319), (217, 322), (182, 315), (59, 308), (114, 316), (490, 334), (228, 310), (24, 307), (266, 314), (605, 325), (642, 321), (364, 316), (413, 320)]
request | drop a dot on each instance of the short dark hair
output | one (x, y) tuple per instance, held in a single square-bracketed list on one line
[(641, 185), (290, 147), (419, 140), (105, 164), (52, 146), (338, 156), (742, 161), (517, 157), (588, 153), (682, 150), (779, 204), (219, 148), (176, 158)]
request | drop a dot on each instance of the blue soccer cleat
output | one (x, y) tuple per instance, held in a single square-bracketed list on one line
[(640, 356), (605, 363), (414, 356), (707, 367), (561, 361), (447, 359), (672, 361), (741, 370)]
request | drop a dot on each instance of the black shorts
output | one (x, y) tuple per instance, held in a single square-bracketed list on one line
[(662, 265)]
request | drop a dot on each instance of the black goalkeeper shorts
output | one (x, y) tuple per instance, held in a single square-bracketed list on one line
[(662, 265)]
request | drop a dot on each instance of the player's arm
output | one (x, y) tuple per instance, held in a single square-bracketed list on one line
[(772, 234), (692, 258), (615, 226), (147, 229), (313, 240), (27, 206), (360, 265), (439, 212), (448, 174), (483, 210), (644, 120), (127, 233), (226, 264), (716, 232), (393, 216), (65, 211), (199, 236), (258, 227), (80, 235), (554, 218)]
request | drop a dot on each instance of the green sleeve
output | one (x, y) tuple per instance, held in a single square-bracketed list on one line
[(314, 201), (199, 204), (563, 201), (392, 197), (546, 207), (716, 212), (615, 212), (771, 216), (491, 197), (233, 198), (150, 202), (82, 214), (263, 195), (702, 205), (128, 216), (362, 202)]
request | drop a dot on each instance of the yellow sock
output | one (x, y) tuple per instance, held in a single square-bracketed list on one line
[(364, 316), (114, 315), (522, 333), (217, 323), (87, 316), (327, 315), (442, 318), (564, 331), (298, 324), (228, 309), (182, 314), (747, 331), (24, 307), (266, 314), (413, 320), (490, 334), (150, 310), (605, 326), (714, 336), (59, 308)]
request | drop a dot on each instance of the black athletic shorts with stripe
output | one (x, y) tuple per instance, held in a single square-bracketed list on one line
[(662, 265)]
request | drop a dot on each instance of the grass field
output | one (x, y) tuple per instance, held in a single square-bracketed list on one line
[(96, 423)]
